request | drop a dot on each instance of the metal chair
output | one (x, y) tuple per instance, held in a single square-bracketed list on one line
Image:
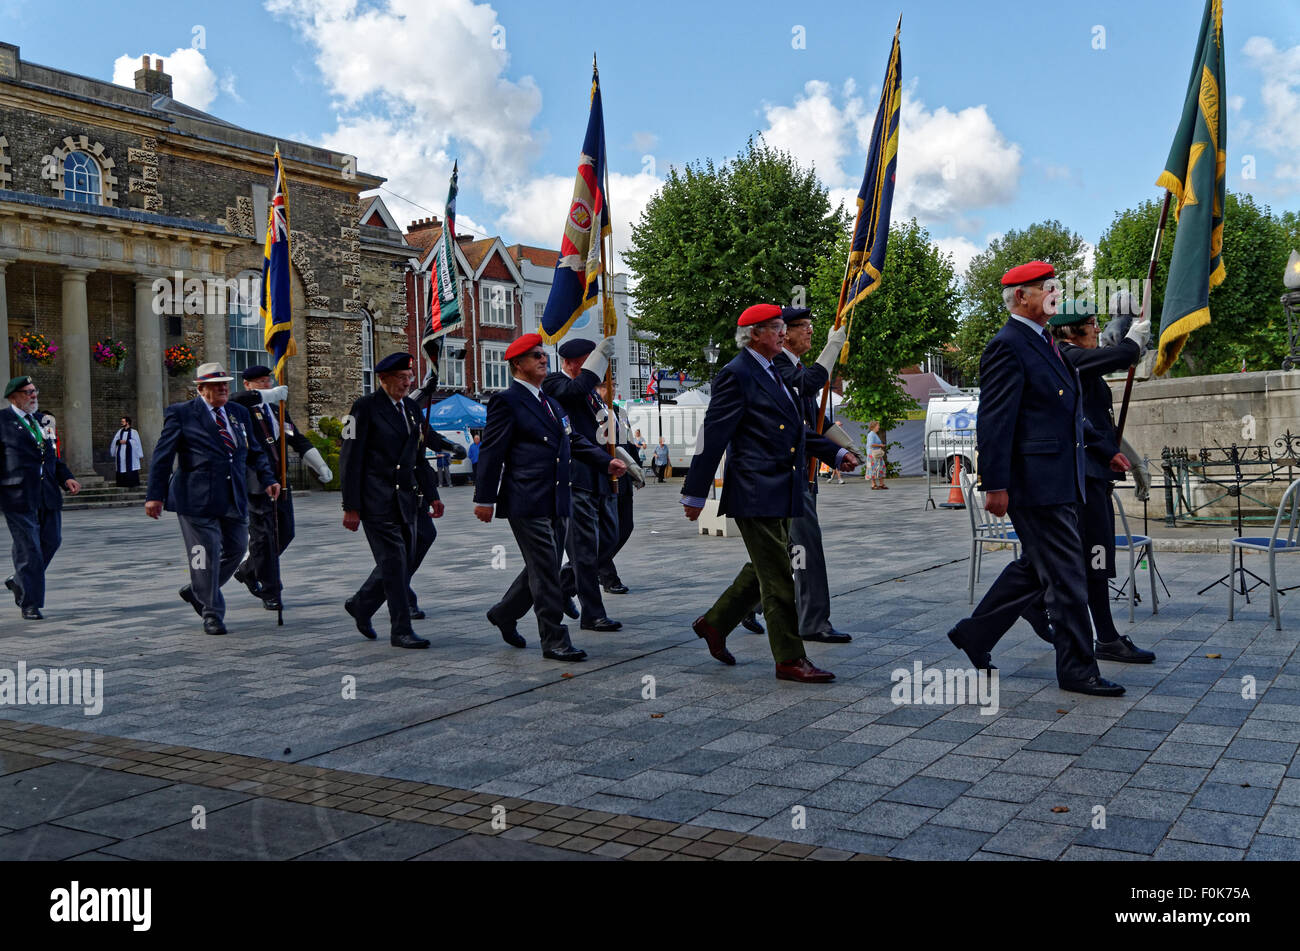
[(1138, 547), (1273, 544), (985, 529)]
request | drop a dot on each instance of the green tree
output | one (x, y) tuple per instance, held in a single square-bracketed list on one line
[(983, 310), (1246, 318), (714, 240), (911, 314)]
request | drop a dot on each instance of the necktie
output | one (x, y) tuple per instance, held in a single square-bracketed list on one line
[(549, 412), (406, 424), (780, 385), (226, 437), (32, 428), (1052, 343)]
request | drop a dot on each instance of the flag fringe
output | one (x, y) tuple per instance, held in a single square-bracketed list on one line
[(1173, 337)]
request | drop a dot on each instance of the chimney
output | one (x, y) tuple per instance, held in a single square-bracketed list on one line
[(153, 81), (422, 224)]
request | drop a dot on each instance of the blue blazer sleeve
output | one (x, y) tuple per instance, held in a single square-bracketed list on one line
[(353, 454), (1001, 384), (497, 433), (726, 407), (164, 455)]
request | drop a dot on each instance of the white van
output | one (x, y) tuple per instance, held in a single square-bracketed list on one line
[(461, 470), (950, 431)]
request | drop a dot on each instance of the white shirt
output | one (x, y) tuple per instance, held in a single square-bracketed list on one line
[(535, 390)]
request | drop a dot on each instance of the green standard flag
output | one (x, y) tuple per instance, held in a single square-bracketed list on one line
[(1196, 174)]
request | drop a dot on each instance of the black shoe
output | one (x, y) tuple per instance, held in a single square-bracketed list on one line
[(272, 604), (750, 623), (565, 653), (18, 592), (187, 595), (571, 608), (829, 637), (1096, 687), (1123, 651), (412, 641), (33, 614), (213, 625), (248, 580), (363, 624), (615, 587), (984, 662), (509, 633), (604, 624), (417, 614)]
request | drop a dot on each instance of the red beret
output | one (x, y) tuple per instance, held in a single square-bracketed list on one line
[(1028, 273), (757, 314), (523, 345)]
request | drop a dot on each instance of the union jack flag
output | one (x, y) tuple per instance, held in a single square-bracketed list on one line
[(276, 304)]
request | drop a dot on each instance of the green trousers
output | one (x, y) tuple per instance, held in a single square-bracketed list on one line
[(766, 579)]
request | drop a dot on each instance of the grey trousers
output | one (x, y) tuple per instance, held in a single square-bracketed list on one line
[(810, 588), (541, 543), (214, 548), (594, 516)]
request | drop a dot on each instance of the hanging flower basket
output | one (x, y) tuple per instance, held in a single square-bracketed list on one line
[(36, 349), (109, 354), (179, 359)]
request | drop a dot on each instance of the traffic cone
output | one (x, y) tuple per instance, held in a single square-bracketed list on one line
[(956, 500)]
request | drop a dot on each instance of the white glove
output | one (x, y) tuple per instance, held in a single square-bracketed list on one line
[(633, 470), (831, 352), (313, 460), (1140, 333), (598, 362), (840, 438), (276, 394)]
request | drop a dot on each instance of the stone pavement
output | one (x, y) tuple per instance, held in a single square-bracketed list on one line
[(1183, 766)]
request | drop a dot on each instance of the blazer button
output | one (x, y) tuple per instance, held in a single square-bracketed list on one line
[(792, 448), (1060, 392), (783, 425)]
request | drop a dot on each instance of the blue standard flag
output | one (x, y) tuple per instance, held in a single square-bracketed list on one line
[(876, 197), (585, 229), (277, 315)]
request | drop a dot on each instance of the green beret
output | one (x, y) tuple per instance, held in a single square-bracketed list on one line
[(1072, 312), (16, 384)]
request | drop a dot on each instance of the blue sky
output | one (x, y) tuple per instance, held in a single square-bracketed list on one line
[(1015, 111)]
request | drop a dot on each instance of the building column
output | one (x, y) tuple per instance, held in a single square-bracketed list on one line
[(74, 427), (5, 371), (150, 394), (216, 331)]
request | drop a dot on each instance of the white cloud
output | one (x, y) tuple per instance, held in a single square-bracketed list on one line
[(644, 141), (814, 129), (963, 250), (193, 81), (1276, 131)]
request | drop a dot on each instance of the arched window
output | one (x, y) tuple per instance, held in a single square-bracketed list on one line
[(367, 353), (244, 322), (81, 180)]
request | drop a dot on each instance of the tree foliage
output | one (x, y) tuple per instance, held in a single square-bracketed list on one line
[(911, 314), (983, 310), (1246, 317), (714, 240)]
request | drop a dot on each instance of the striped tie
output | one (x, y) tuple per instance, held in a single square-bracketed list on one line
[(225, 431)]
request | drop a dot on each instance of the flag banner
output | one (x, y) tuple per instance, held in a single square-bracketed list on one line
[(277, 301), (1196, 174), (587, 225), (876, 197), (444, 284)]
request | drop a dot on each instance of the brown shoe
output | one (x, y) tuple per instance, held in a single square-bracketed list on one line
[(803, 671), (717, 642)]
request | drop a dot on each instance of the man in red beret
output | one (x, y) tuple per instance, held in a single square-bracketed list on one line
[(523, 474), (1030, 444), (755, 419)]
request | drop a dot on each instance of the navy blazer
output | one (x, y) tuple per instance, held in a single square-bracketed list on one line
[(209, 480), (385, 472), (1030, 428), (31, 474), (1098, 405), (577, 395), (807, 383), (524, 458), (763, 433)]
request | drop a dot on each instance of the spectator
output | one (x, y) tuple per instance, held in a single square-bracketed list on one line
[(660, 459), (875, 456), (473, 458), (127, 454), (639, 441)]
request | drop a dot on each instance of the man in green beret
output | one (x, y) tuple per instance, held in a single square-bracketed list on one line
[(31, 475)]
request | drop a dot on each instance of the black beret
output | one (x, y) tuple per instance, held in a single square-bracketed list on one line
[(394, 362), (577, 347), (256, 372), (795, 313)]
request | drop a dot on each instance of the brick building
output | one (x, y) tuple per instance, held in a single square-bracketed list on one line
[(127, 214)]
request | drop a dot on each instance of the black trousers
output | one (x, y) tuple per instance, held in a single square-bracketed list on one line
[(263, 551), (36, 537), (1051, 566), (606, 571), (541, 543), (392, 542), (582, 543), (425, 533)]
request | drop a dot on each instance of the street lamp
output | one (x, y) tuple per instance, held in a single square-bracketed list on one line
[(711, 352), (1291, 304)]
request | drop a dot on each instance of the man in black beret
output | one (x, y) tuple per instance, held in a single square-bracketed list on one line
[(270, 523), (386, 481)]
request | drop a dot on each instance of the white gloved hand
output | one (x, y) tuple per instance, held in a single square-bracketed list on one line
[(1140, 333), (599, 359), (276, 394), (831, 352), (840, 438), (316, 463), (633, 470)]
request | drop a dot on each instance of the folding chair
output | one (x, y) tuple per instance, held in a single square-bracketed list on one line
[(1273, 544), (985, 529), (1138, 547)]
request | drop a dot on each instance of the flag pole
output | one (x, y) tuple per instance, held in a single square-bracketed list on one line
[(607, 302), (1147, 291), (839, 314)]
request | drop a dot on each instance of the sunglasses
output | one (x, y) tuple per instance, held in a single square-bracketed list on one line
[(32, 392)]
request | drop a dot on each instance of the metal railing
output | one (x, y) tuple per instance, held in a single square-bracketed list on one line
[(1236, 476)]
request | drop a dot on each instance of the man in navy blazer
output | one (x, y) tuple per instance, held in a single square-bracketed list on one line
[(1030, 444), (523, 474), (758, 423), (31, 478), (208, 438)]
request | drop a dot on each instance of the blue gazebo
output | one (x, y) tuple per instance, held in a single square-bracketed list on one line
[(457, 412)]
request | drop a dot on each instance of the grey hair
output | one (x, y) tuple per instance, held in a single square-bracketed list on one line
[(1009, 298), (745, 335)]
